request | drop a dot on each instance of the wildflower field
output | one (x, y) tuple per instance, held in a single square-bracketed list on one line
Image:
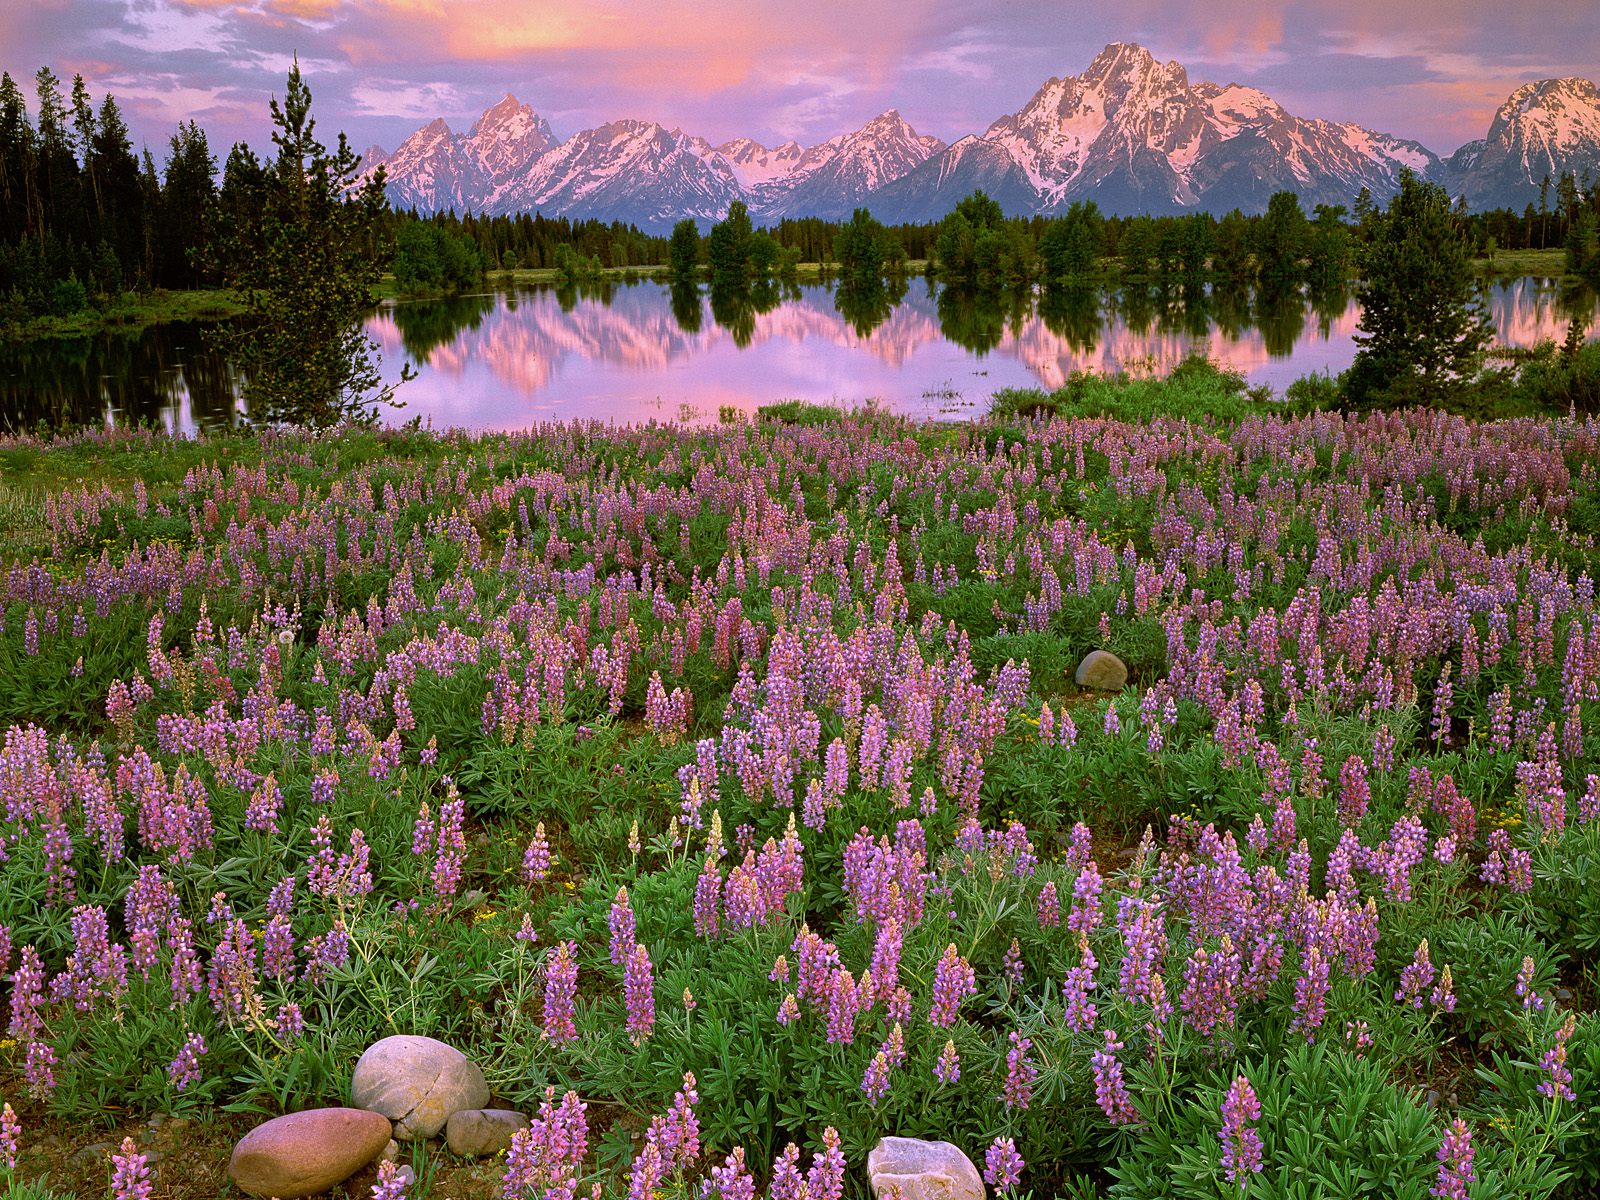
[(727, 796)]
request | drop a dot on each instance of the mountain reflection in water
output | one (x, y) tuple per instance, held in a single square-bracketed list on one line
[(508, 359)]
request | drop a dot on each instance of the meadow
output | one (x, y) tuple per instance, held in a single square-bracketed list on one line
[(753, 753)]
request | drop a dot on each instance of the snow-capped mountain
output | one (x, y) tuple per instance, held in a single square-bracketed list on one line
[(1135, 135), (1548, 127), (431, 171), (507, 137), (753, 164), (1131, 133), (634, 171), (832, 178)]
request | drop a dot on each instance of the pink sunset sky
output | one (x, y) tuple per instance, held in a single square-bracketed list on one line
[(1433, 70)]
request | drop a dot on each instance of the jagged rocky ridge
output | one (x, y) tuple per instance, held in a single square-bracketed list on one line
[(1131, 133)]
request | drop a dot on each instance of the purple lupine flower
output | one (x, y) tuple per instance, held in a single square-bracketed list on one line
[(39, 1070), (1049, 907), (290, 1023), (680, 1128), (536, 859), (1554, 1064), (10, 1137), (788, 1010), (844, 1001), (1311, 993), (130, 1176), (266, 802), (875, 1083), (1455, 1163), (1076, 988), (620, 921), (1241, 1144), (390, 1184), (560, 992), (1002, 1165), (184, 1070), (1443, 996), (730, 1181), (825, 1180), (1415, 977), (1530, 998), (1020, 1073), (947, 1069), (639, 994), (1085, 913), (1109, 1090), (953, 981), (787, 1182), (646, 1173), (1210, 988), (708, 899)]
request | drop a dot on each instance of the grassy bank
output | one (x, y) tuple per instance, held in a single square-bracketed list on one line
[(131, 311)]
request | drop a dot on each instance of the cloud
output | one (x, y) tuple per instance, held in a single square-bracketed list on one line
[(1430, 69)]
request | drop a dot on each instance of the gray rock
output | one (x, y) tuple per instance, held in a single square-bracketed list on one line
[(407, 1174), (1103, 671), (94, 1155), (479, 1132), (389, 1153), (417, 1082), (911, 1169), (308, 1152)]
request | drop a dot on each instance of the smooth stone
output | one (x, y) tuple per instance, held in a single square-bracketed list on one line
[(479, 1132), (417, 1082), (912, 1169), (304, 1153), (1103, 671), (391, 1152)]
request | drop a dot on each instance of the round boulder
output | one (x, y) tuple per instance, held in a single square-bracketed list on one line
[(1103, 671), (916, 1170), (308, 1152), (417, 1082), (480, 1132)]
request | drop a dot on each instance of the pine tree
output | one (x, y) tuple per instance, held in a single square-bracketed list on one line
[(303, 267), (728, 248), (1422, 326), (683, 252)]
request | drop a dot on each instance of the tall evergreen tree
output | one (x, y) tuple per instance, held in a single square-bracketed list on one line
[(188, 192), (728, 248), (304, 268), (17, 195), (684, 252), (1423, 327)]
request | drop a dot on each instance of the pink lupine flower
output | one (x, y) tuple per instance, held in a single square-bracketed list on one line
[(184, 1070), (953, 981), (1455, 1163), (1109, 1090), (536, 859), (1241, 1144), (130, 1176), (1554, 1064), (1020, 1073), (10, 1137), (639, 992), (560, 992), (1003, 1166), (390, 1184)]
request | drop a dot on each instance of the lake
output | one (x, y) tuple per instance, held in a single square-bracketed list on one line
[(638, 352)]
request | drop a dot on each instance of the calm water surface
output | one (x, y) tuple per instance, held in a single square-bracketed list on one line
[(634, 353)]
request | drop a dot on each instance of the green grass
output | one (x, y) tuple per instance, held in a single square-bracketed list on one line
[(132, 310), (1549, 264)]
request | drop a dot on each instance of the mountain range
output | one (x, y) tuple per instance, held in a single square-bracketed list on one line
[(1131, 133)]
